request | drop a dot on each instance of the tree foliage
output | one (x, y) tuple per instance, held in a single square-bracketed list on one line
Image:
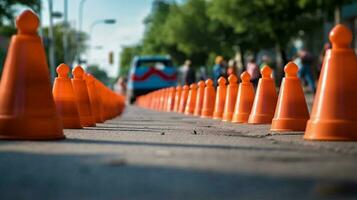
[(201, 29), (7, 8), (58, 30)]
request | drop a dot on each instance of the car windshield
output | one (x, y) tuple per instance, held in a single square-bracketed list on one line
[(158, 64)]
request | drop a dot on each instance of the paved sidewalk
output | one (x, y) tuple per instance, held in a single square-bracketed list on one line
[(152, 155)]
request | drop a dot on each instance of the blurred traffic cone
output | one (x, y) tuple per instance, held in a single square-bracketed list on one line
[(244, 101), (27, 107), (191, 99), (171, 99), (208, 100), (97, 85), (183, 100), (231, 98), (177, 98), (291, 113), (199, 98), (221, 94), (167, 95), (334, 112), (162, 99), (93, 97), (265, 99), (82, 97), (64, 98)]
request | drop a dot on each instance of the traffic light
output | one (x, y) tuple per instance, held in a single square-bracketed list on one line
[(111, 57)]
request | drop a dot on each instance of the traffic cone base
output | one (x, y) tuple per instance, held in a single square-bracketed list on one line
[(260, 119), (288, 125), (327, 129), (240, 118), (35, 128)]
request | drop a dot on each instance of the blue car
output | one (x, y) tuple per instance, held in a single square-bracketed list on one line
[(149, 73)]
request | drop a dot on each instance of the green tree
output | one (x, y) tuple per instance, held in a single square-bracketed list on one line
[(73, 41), (126, 56), (100, 74), (7, 9), (271, 23)]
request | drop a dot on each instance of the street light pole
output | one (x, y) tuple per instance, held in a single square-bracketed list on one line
[(52, 43), (65, 32), (80, 21), (97, 22)]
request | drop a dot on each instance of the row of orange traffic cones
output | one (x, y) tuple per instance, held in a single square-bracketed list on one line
[(236, 102), (334, 112), (29, 110), (83, 100)]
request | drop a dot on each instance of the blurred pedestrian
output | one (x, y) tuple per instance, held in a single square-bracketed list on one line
[(304, 62), (121, 85), (202, 74), (253, 70), (219, 69), (232, 67), (187, 73)]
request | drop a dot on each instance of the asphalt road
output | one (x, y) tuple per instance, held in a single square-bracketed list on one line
[(152, 155)]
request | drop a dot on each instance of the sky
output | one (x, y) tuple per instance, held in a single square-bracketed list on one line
[(128, 30)]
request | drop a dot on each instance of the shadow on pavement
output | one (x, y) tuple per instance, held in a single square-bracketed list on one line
[(47, 176), (174, 145)]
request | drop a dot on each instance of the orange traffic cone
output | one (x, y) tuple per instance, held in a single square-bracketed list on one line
[(334, 112), (93, 97), (244, 101), (291, 112), (97, 86), (199, 98), (208, 100), (177, 98), (191, 99), (183, 99), (166, 97), (171, 99), (27, 107), (220, 98), (82, 97), (231, 98), (265, 99), (64, 98)]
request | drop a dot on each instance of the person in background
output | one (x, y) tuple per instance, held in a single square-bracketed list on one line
[(219, 69), (187, 73), (304, 62), (232, 67), (253, 70), (202, 74), (121, 85)]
